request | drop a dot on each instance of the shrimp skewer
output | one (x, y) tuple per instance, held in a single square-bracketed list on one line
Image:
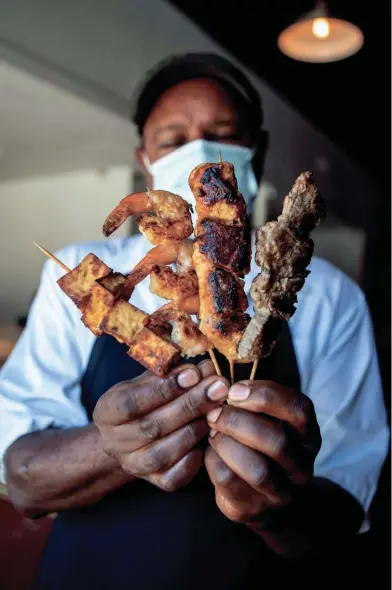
[(168, 230), (163, 217)]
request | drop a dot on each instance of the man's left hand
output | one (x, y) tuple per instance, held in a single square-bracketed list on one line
[(261, 444)]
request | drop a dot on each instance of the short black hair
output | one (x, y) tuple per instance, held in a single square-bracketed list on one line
[(189, 66)]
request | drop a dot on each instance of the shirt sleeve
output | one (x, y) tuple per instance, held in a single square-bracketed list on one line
[(40, 382), (345, 386)]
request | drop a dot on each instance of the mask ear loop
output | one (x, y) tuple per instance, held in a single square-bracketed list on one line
[(147, 163)]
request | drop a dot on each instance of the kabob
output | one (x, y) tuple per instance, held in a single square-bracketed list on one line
[(209, 278)]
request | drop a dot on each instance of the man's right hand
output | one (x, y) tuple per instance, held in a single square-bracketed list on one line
[(152, 425)]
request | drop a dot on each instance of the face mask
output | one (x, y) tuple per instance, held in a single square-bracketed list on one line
[(171, 172)]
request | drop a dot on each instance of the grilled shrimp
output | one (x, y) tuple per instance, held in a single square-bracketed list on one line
[(185, 333), (164, 282), (165, 216)]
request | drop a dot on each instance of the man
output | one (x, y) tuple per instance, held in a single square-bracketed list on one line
[(156, 484)]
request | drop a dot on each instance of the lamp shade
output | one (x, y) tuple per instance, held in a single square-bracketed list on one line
[(318, 38)]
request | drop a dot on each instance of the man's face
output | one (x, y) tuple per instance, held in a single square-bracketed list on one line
[(196, 109)]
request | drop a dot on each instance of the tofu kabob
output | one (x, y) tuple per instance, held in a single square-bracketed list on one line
[(208, 281)]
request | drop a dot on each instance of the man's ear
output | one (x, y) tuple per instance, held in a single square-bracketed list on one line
[(260, 153), (139, 155)]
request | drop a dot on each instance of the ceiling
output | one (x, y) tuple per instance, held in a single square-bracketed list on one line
[(46, 129), (348, 100)]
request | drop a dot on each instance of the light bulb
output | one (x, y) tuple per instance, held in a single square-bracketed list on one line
[(320, 28)]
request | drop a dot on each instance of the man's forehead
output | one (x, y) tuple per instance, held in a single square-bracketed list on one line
[(199, 97)]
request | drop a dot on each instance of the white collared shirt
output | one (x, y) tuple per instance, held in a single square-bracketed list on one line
[(333, 341)]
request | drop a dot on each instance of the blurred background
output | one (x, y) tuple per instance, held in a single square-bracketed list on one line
[(67, 70)]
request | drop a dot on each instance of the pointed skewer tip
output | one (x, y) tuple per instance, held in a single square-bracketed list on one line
[(53, 257), (215, 362), (254, 369)]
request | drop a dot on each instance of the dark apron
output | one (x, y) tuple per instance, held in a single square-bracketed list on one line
[(139, 537)]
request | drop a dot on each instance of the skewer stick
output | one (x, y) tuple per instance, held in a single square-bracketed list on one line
[(254, 369), (215, 362), (53, 257), (220, 158), (231, 363)]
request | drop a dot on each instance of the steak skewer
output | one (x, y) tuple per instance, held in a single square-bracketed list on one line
[(283, 252)]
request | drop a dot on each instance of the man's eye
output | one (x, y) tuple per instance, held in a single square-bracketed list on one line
[(224, 137), (170, 143)]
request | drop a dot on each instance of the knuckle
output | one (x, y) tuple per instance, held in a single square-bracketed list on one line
[(279, 443), (109, 448), (304, 410), (164, 388), (168, 484), (235, 511), (153, 460), (96, 417), (128, 464), (232, 419), (224, 477), (125, 403), (190, 406), (190, 434), (265, 394), (259, 474), (150, 428)]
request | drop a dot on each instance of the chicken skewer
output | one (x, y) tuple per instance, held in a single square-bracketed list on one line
[(221, 256)]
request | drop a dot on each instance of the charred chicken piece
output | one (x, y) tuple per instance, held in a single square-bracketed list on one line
[(221, 255)]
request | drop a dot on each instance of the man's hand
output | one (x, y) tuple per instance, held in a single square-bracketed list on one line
[(151, 426), (262, 443)]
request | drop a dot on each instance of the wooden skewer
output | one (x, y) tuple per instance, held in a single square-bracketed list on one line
[(254, 369), (232, 378), (220, 158), (215, 362), (53, 257)]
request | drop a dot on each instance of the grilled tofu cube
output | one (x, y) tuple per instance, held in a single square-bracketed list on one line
[(123, 321), (154, 352), (78, 282)]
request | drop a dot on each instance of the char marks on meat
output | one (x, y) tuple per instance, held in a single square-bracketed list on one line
[(228, 291), (215, 188), (226, 245), (221, 255)]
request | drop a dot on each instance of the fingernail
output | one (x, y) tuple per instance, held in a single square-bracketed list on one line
[(239, 392), (213, 433), (214, 414), (217, 391), (187, 378)]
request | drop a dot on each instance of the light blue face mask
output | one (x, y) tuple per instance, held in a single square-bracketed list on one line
[(171, 172)]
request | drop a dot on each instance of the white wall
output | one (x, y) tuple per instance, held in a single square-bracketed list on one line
[(101, 49), (53, 211)]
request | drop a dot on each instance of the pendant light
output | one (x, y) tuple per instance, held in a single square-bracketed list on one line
[(319, 38)]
